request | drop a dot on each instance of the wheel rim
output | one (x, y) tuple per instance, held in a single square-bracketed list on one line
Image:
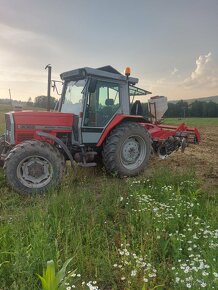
[(35, 172), (133, 152)]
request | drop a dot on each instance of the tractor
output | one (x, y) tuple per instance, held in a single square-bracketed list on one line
[(99, 119)]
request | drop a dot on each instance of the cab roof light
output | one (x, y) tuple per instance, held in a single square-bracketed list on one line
[(127, 71)]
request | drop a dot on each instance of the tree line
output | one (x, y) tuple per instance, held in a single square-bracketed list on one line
[(39, 102), (197, 108)]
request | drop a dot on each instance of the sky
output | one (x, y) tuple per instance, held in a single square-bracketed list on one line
[(170, 45)]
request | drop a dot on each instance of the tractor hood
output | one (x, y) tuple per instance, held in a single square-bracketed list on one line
[(21, 126), (43, 120)]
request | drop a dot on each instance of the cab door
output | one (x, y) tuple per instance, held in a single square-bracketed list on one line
[(102, 104)]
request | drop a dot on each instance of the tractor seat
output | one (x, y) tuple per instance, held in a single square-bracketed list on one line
[(109, 102), (137, 109)]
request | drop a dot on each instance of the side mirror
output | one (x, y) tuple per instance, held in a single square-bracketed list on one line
[(92, 86)]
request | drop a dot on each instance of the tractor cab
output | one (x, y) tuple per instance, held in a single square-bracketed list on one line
[(96, 96)]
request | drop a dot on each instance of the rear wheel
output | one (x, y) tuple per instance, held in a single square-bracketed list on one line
[(127, 149), (34, 167)]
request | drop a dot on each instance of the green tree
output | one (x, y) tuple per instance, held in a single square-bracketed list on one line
[(41, 102), (29, 102)]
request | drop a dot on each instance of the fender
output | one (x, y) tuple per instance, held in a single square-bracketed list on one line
[(117, 120), (59, 142)]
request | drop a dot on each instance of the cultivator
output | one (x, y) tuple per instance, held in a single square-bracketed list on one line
[(167, 139), (99, 118)]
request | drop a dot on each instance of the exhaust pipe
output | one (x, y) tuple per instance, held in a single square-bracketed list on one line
[(49, 87)]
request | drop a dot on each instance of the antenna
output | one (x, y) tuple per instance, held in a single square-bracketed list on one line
[(9, 90)]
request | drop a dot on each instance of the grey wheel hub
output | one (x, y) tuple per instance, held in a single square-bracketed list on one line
[(130, 150), (34, 172), (133, 152)]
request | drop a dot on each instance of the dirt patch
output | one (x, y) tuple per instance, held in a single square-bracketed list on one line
[(202, 159)]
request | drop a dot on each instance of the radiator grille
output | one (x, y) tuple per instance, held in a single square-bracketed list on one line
[(9, 123)]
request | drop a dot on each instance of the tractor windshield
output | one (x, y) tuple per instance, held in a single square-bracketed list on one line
[(73, 98)]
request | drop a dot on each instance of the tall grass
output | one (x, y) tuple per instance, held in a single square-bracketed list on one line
[(121, 234)]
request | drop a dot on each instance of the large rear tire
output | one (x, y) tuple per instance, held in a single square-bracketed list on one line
[(127, 149), (34, 167)]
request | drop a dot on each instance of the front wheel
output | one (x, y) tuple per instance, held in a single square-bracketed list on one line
[(127, 149), (34, 167)]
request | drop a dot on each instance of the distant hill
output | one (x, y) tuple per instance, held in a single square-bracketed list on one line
[(205, 99)]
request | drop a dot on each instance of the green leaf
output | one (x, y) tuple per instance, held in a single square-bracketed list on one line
[(61, 273), (48, 280), (50, 276), (43, 282)]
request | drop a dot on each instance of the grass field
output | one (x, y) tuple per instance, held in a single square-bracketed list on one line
[(157, 231), (193, 121)]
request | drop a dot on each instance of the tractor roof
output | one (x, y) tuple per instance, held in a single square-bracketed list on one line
[(106, 72)]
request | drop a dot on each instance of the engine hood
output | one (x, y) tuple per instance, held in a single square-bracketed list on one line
[(54, 121)]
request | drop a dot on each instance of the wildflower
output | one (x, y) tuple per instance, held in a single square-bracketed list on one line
[(177, 279), (186, 269), (152, 275), (205, 273), (145, 280)]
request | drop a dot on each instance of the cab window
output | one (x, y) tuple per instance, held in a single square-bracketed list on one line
[(102, 103)]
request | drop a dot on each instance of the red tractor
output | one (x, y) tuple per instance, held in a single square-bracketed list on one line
[(99, 119)]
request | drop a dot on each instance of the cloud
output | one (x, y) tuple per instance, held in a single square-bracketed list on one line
[(201, 82), (174, 71), (205, 74), (25, 48), (24, 54)]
